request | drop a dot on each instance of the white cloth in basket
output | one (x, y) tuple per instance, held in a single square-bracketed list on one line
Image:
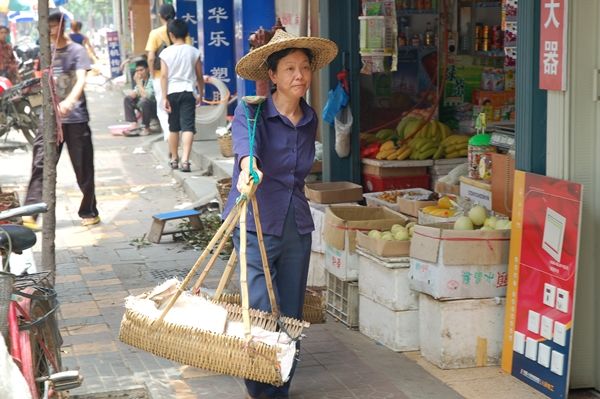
[(198, 312)]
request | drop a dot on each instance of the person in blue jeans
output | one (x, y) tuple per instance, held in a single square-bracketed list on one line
[(284, 149)]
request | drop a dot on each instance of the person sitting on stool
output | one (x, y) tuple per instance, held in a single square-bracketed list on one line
[(140, 98)]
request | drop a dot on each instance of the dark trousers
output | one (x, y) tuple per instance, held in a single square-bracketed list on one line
[(289, 256), (147, 106), (78, 138)]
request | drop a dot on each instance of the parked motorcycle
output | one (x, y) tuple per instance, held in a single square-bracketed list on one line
[(20, 108)]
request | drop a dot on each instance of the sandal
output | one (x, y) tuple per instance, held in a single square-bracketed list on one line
[(174, 163), (185, 166)]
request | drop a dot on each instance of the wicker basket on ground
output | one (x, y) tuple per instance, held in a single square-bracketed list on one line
[(223, 188), (226, 145)]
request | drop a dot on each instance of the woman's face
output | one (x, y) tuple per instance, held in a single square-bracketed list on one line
[(293, 74)]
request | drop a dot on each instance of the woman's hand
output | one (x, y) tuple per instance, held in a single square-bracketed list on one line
[(244, 177)]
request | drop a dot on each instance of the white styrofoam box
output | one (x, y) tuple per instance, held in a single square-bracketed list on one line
[(342, 264), (318, 216), (458, 281), (386, 282), (449, 330), (317, 275), (372, 199), (396, 330)]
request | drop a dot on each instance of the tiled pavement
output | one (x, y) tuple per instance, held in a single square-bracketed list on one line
[(99, 266)]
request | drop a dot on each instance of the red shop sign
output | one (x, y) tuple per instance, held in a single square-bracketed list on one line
[(553, 40)]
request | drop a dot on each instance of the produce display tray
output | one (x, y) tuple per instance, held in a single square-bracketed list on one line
[(397, 164)]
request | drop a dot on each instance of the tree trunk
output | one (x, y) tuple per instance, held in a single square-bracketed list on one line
[(48, 127)]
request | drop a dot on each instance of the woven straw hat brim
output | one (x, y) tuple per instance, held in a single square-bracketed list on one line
[(253, 66)]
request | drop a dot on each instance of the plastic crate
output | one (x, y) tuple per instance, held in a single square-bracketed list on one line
[(378, 183), (342, 300)]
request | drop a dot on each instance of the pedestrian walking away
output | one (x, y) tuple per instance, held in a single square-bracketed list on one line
[(283, 147), (69, 66), (181, 73), (158, 40)]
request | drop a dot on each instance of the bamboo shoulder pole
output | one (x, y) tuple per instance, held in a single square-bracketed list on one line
[(226, 277), (265, 260), (244, 274)]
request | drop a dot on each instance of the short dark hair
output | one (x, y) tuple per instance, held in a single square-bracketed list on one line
[(178, 28), (141, 63), (273, 59), (76, 25), (167, 12), (56, 15)]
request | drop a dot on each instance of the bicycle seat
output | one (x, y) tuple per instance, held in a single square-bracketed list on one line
[(21, 238)]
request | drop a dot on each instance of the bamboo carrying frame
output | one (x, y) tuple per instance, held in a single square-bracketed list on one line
[(215, 352)]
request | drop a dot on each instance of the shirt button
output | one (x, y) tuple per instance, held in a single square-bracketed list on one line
[(292, 171), (293, 150), (289, 190)]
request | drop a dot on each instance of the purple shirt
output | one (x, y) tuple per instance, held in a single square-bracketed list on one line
[(68, 60), (285, 155)]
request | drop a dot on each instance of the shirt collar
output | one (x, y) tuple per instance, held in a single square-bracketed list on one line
[(271, 111)]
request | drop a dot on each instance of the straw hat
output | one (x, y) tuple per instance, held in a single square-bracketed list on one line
[(253, 66)]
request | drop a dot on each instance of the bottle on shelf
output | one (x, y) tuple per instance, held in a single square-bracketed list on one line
[(429, 39)]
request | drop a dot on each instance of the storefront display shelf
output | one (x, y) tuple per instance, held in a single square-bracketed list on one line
[(397, 164)]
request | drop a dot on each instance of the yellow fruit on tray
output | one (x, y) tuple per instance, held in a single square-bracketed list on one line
[(444, 202)]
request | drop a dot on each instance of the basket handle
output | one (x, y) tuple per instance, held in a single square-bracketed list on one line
[(229, 221)]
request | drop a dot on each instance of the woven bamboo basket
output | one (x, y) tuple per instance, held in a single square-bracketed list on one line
[(314, 309), (223, 188), (226, 145), (245, 358), (207, 350)]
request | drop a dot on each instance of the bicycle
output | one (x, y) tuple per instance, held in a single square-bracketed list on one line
[(34, 338)]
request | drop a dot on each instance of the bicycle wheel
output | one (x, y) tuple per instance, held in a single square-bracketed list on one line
[(45, 340)]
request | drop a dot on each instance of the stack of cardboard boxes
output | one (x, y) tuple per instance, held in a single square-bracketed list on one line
[(461, 277)]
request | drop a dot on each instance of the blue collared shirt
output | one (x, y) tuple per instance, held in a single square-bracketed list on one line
[(285, 155)]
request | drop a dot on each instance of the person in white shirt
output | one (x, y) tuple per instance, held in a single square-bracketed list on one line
[(180, 73)]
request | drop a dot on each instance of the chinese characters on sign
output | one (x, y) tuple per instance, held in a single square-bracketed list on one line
[(218, 44), (188, 11), (553, 31), (114, 53)]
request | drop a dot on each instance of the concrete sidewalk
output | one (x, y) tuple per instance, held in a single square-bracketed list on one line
[(98, 266)]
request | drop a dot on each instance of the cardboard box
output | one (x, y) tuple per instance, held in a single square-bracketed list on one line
[(461, 333), (386, 281), (477, 191), (342, 223), (411, 207), (394, 171), (503, 171), (384, 248), (397, 330), (317, 274), (333, 192), (446, 263)]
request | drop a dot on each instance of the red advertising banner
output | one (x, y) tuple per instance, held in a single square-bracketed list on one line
[(541, 284), (553, 40)]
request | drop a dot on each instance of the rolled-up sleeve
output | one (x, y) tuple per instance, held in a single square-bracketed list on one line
[(240, 137)]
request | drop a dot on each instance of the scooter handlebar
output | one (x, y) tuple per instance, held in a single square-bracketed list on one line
[(26, 210)]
